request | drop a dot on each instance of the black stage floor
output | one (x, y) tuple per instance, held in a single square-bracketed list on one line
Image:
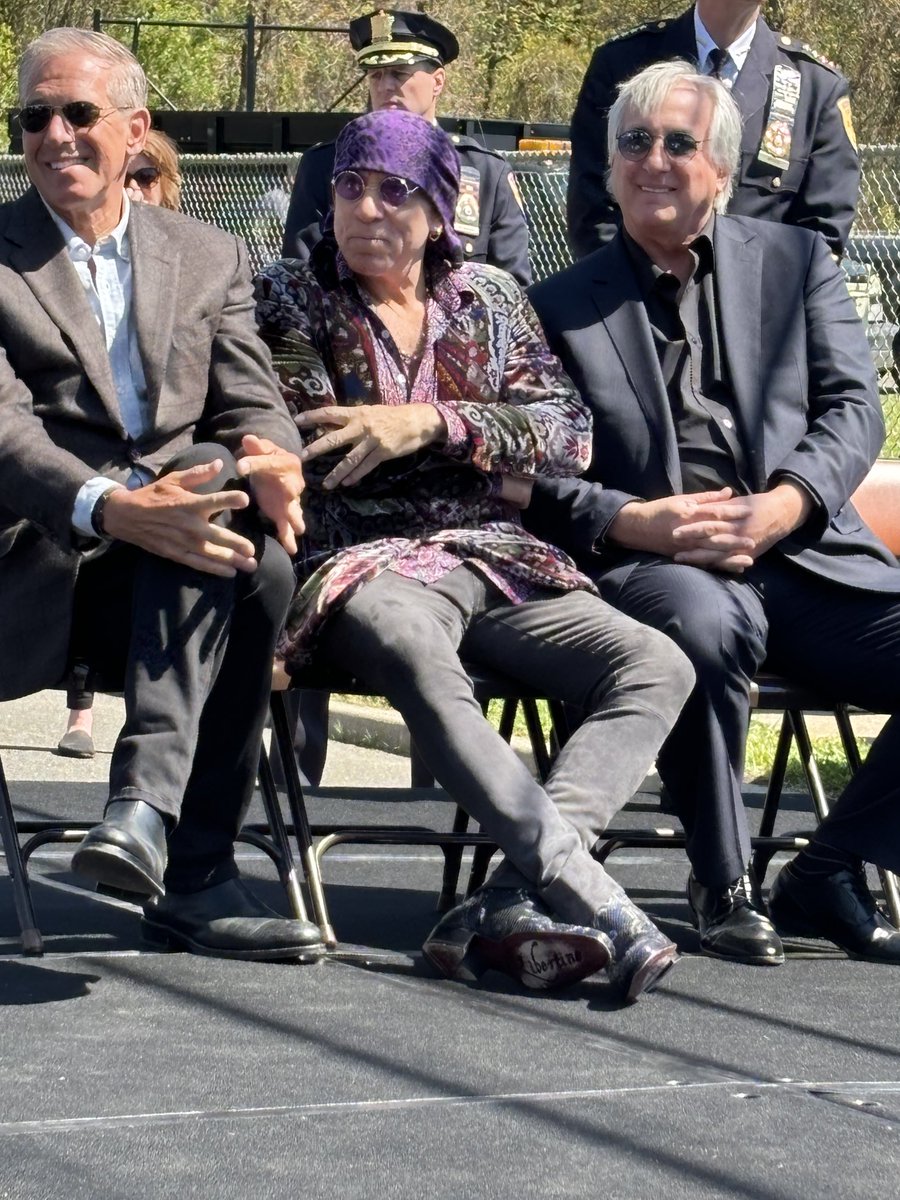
[(127, 1074)]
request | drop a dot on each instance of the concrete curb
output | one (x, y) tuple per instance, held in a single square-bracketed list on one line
[(383, 729)]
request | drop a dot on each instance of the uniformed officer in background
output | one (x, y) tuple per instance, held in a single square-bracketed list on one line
[(403, 55), (799, 161)]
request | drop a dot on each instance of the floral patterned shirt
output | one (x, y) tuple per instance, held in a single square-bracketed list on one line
[(508, 406)]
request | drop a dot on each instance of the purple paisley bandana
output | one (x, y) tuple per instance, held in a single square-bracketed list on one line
[(396, 142)]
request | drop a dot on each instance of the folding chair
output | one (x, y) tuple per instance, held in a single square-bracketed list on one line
[(452, 842), (769, 693), (272, 838)]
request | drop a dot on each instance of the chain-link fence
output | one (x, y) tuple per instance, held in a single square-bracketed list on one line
[(249, 193)]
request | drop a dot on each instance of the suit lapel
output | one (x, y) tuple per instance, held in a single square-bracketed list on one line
[(739, 294), (37, 253), (154, 274), (624, 317)]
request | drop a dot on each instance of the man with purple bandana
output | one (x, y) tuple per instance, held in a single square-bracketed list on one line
[(430, 401)]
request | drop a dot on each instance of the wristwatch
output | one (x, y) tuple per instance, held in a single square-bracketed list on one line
[(98, 509)]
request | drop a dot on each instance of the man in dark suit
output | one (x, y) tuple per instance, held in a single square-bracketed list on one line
[(735, 413), (142, 436), (403, 55), (799, 161)]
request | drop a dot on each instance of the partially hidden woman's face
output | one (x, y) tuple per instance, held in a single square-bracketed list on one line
[(139, 183), (378, 238)]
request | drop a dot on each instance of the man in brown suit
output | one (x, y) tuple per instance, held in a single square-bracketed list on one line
[(142, 439)]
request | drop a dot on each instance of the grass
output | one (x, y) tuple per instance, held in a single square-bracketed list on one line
[(761, 742), (828, 752)]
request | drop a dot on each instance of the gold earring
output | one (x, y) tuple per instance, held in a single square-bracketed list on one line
[(435, 234)]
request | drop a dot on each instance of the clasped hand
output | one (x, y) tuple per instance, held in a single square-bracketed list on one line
[(375, 433), (714, 530), (170, 518)]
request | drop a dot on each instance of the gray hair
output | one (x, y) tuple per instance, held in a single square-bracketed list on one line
[(126, 83), (646, 92)]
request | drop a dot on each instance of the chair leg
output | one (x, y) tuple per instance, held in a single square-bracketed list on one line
[(481, 860), (848, 737), (889, 881), (810, 766), (762, 856), (287, 869), (536, 737), (507, 718), (452, 863), (890, 885), (281, 731), (32, 942)]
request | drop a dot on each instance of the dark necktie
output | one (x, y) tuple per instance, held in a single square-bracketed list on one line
[(717, 58)]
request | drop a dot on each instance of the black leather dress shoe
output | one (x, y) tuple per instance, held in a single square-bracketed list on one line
[(838, 907), (511, 930), (642, 954), (127, 850), (228, 921), (731, 925)]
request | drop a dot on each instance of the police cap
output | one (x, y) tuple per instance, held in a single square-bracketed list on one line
[(390, 37)]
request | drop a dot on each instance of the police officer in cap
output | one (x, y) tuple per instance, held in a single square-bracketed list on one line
[(799, 161), (403, 55)]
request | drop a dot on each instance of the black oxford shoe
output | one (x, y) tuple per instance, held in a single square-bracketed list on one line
[(838, 907), (730, 924), (228, 921), (511, 930), (127, 850)]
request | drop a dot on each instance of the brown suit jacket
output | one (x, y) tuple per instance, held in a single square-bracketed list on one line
[(209, 378)]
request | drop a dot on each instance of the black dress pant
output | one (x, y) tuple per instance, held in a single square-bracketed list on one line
[(841, 641), (192, 653)]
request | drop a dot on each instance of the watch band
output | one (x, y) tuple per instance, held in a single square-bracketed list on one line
[(97, 510)]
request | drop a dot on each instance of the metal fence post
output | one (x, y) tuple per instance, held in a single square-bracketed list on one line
[(251, 61)]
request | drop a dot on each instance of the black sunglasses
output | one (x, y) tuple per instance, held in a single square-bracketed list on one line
[(636, 144), (393, 190), (143, 176), (80, 114)]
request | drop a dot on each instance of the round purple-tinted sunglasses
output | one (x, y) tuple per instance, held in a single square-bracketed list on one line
[(393, 190)]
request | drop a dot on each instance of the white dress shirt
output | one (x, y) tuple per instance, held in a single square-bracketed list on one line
[(737, 51), (104, 270)]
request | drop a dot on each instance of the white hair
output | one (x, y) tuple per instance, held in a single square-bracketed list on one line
[(646, 92), (126, 83)]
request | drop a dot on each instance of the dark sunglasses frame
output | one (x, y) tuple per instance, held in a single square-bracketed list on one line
[(677, 143), (393, 190), (143, 176), (80, 114)]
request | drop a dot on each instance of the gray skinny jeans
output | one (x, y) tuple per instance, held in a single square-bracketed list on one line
[(405, 639)]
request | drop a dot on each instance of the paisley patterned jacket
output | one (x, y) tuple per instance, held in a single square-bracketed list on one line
[(509, 409)]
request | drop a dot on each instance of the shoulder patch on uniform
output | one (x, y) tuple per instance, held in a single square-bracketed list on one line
[(647, 27), (514, 188), (805, 50), (844, 109)]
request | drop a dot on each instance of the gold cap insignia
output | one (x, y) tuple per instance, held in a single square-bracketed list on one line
[(382, 24)]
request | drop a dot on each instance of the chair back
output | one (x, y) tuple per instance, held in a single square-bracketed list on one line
[(877, 500)]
